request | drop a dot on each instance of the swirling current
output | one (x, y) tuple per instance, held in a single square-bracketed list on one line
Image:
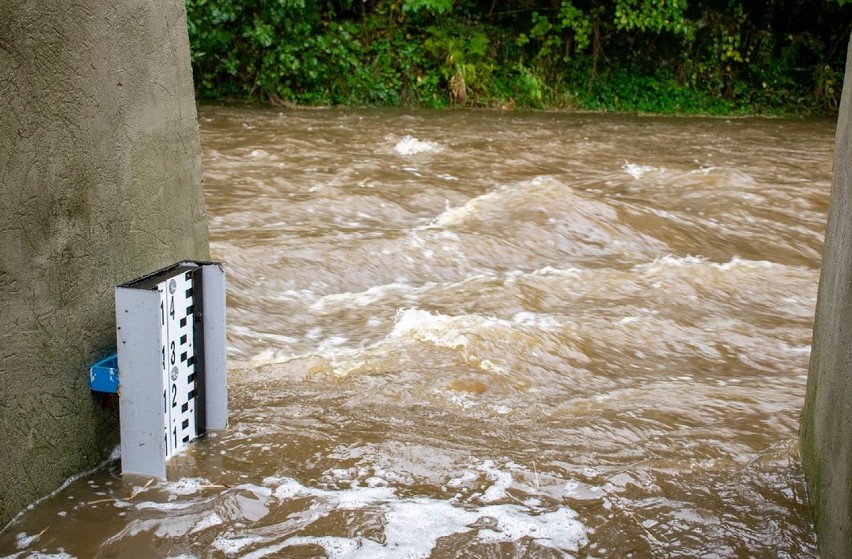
[(491, 334)]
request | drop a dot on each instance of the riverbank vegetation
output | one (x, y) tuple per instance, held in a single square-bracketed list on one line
[(662, 56)]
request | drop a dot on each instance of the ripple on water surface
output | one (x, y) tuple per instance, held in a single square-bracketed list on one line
[(473, 334)]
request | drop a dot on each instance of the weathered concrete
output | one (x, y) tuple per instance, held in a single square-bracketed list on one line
[(99, 183), (826, 430)]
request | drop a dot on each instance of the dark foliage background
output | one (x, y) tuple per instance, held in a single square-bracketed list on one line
[(668, 56)]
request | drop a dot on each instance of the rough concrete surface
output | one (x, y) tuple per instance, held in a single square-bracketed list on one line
[(826, 430), (100, 182)]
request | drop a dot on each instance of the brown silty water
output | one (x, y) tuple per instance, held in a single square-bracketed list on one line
[(481, 334)]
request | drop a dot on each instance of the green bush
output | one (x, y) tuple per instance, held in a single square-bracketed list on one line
[(678, 56)]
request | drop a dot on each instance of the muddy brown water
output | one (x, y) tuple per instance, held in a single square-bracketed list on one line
[(483, 334)]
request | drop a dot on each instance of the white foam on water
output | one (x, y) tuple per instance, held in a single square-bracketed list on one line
[(314, 333), (638, 171), (257, 335), (364, 298), (40, 555), (413, 526), (564, 272), (410, 145), (671, 261), (478, 338), (449, 235), (332, 342), (490, 366), (438, 329), (467, 477), (333, 547), (731, 175), (286, 488), (462, 400), (455, 216), (413, 171), (580, 491), (343, 361), (795, 350), (430, 519), (22, 540), (502, 481), (537, 320), (231, 546), (296, 295), (363, 497), (723, 176), (270, 357), (736, 262), (185, 486), (558, 529), (208, 521), (163, 506), (453, 332)]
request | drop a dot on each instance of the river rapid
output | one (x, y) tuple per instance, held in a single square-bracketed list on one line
[(491, 334)]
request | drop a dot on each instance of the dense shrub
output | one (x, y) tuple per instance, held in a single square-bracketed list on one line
[(689, 56)]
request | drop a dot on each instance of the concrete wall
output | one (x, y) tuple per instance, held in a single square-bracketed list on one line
[(99, 183), (826, 430)]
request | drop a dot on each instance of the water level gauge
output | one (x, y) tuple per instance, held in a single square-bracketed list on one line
[(171, 362)]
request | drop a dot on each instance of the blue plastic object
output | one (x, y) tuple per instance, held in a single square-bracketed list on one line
[(103, 375)]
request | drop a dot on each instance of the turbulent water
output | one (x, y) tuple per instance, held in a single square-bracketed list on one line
[(481, 334)]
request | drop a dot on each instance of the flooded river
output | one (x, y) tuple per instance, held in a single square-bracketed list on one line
[(482, 334)]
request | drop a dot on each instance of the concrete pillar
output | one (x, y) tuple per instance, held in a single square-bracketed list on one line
[(100, 182), (826, 430)]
